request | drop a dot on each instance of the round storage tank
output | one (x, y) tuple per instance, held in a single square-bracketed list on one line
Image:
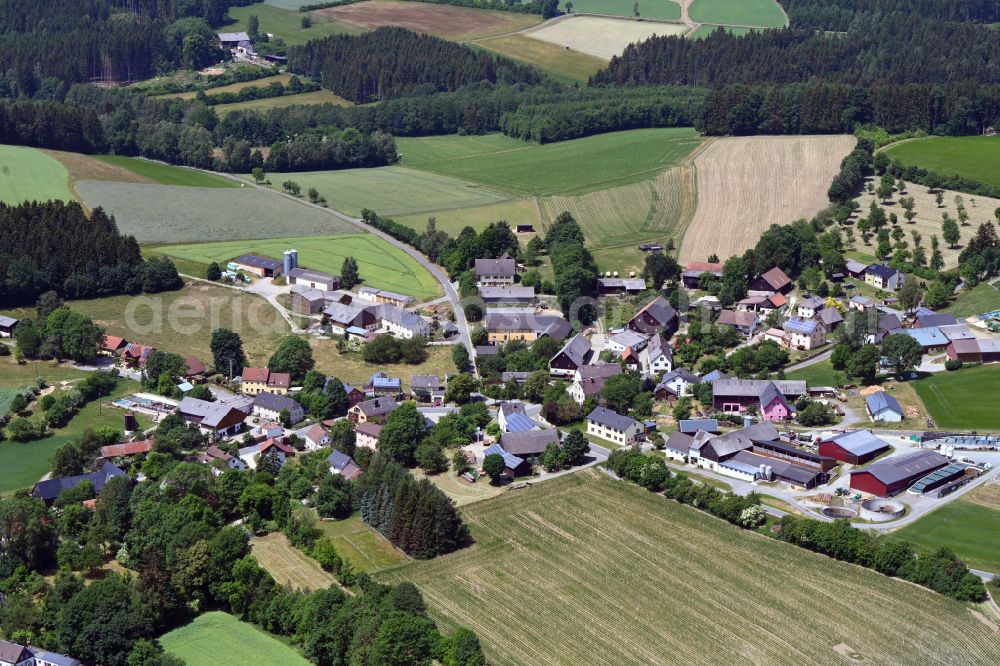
[(838, 512), (882, 510)]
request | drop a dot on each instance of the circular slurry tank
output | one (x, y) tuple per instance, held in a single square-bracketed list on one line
[(881, 510), (838, 512)]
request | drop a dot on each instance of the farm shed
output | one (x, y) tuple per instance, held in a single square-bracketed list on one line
[(883, 407), (259, 266), (894, 475), (313, 279), (856, 447), (7, 326)]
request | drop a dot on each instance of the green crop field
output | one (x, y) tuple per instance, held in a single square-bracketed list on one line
[(653, 581), (568, 167), (650, 9), (975, 157), (956, 401), (392, 190), (219, 638), (28, 174), (167, 174), (286, 22), (315, 97), (760, 13), (363, 547), (703, 31), (969, 525), (164, 214), (380, 264), (979, 300), (521, 211)]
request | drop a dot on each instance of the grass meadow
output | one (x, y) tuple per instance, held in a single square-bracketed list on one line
[(976, 157), (392, 190), (651, 9), (219, 638), (363, 547), (970, 526), (817, 374), (653, 581), (165, 214), (286, 22), (28, 174), (352, 369), (758, 13), (520, 211), (568, 167), (267, 103), (961, 400), (979, 300), (167, 174), (380, 264)]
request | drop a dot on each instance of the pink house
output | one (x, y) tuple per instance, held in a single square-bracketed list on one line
[(773, 406), (771, 397)]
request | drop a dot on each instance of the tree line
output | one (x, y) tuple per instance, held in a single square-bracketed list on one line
[(395, 62), (55, 246), (838, 16)]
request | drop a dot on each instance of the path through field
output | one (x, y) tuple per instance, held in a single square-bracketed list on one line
[(746, 184)]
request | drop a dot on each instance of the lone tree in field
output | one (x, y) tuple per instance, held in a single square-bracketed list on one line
[(291, 187), (313, 195), (939, 198), (349, 273), (213, 272), (259, 174), (950, 231)]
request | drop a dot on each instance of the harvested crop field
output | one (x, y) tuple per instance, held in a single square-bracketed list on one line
[(289, 565), (29, 174), (600, 36), (88, 167), (651, 9), (746, 184), (929, 215), (165, 214), (165, 174), (560, 62), (446, 21), (309, 98), (586, 570)]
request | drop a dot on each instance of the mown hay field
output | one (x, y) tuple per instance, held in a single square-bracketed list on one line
[(929, 216), (380, 264), (28, 174), (586, 570), (746, 184), (976, 157), (164, 214), (216, 638), (600, 36), (561, 63), (519, 211), (392, 190), (350, 368), (167, 174), (288, 565), (969, 525), (758, 13), (577, 166), (980, 299), (362, 546), (651, 9), (445, 21), (268, 103), (955, 400)]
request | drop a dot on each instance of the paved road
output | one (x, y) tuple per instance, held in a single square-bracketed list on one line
[(810, 361)]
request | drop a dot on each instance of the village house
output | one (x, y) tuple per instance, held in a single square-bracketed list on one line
[(194, 370), (381, 384), (773, 281), (14, 654), (350, 319), (804, 334), (507, 296), (135, 355), (48, 490), (829, 318), (856, 447), (7, 326), (432, 384), (401, 323), (658, 316), (218, 419), (884, 277), (691, 277), (883, 407), (935, 320), (771, 398), (861, 303), (313, 279), (617, 343), (855, 269), (528, 443), (581, 389), (657, 357), (511, 417), (808, 306), (354, 395), (263, 267), (261, 380), (496, 272), (676, 384), (216, 457), (343, 464), (514, 466), (763, 305), (527, 326), (931, 339), (375, 411), (613, 427), (745, 322), (575, 353), (250, 455), (366, 434), (314, 437), (269, 406), (111, 345), (678, 446)]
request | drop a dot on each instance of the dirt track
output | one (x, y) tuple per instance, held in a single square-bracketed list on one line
[(746, 184)]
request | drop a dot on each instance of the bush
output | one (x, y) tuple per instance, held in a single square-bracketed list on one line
[(952, 364)]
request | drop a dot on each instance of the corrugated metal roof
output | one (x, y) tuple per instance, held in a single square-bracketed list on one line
[(859, 442)]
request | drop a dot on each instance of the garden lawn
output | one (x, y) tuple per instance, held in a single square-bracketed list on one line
[(28, 174), (962, 400), (380, 264), (363, 547), (817, 374), (391, 190), (314, 97), (23, 464), (350, 368), (219, 638), (650, 9), (164, 214), (167, 174), (970, 526), (634, 570), (758, 13), (975, 157), (567, 167), (979, 300)]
